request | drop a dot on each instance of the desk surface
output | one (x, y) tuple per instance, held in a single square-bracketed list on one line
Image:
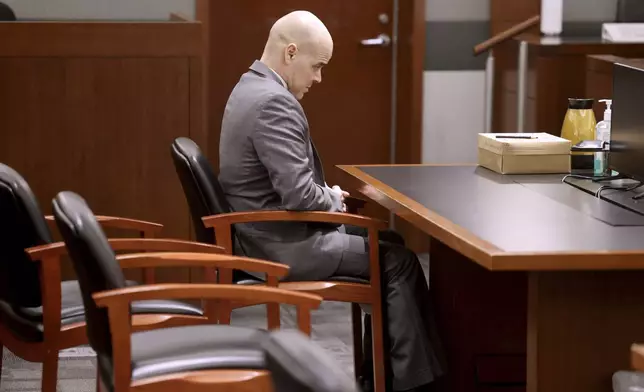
[(523, 222), (605, 63)]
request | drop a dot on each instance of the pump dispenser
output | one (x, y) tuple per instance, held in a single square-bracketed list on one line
[(603, 127), (608, 111), (602, 133)]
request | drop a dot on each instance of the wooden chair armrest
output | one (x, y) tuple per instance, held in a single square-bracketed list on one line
[(117, 302), (115, 222), (637, 357), (245, 294), (299, 216), (58, 249), (182, 259), (222, 224)]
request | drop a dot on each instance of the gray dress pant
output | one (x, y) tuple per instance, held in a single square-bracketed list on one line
[(414, 347)]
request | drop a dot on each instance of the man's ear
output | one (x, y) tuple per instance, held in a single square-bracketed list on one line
[(291, 51)]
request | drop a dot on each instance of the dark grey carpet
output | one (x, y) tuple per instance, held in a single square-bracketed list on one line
[(331, 330)]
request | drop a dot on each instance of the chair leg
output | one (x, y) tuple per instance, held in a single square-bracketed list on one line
[(356, 319), (98, 378), (50, 372), (1, 355), (379, 359), (225, 315), (273, 315)]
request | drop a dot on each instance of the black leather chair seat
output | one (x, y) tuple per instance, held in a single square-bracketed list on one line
[(346, 279), (26, 323), (193, 348)]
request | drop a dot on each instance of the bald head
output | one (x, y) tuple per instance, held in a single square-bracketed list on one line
[(298, 46)]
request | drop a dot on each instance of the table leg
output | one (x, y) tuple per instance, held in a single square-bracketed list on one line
[(580, 328), (481, 317)]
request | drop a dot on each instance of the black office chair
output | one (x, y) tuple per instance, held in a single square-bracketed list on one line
[(204, 357), (6, 13), (204, 195), (209, 207), (39, 314)]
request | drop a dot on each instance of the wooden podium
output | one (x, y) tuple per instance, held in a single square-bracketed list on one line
[(529, 78), (599, 76), (538, 75)]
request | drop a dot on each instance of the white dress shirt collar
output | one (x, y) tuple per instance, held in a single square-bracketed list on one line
[(279, 77)]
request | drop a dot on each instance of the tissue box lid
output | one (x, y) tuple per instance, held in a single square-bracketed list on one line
[(524, 144)]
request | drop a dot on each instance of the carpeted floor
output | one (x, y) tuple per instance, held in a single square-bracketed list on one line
[(331, 330)]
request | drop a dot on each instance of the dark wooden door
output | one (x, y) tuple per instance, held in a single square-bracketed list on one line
[(350, 111)]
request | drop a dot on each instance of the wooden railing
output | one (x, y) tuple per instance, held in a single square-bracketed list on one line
[(488, 45), (506, 35)]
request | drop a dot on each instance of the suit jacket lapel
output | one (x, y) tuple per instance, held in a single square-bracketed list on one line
[(317, 165)]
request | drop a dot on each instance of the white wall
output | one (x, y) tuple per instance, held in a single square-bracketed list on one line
[(589, 10), (100, 9), (454, 110)]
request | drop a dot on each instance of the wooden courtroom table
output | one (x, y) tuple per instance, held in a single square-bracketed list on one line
[(531, 288)]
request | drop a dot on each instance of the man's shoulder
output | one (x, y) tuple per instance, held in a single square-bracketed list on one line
[(264, 91)]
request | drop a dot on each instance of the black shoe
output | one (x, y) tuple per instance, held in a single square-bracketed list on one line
[(431, 387), (365, 384)]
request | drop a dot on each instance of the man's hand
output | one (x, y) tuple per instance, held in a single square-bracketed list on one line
[(342, 194)]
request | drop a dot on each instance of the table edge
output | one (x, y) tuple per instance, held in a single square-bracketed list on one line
[(480, 251), (425, 219)]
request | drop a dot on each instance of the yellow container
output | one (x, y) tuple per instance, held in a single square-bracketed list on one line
[(579, 123)]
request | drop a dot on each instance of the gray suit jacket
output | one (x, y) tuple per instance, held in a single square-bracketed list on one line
[(267, 161)]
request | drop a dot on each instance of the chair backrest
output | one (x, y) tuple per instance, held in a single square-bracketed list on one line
[(204, 194), (95, 265), (22, 225), (6, 13)]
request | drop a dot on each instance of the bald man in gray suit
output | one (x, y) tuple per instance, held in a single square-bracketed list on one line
[(269, 162)]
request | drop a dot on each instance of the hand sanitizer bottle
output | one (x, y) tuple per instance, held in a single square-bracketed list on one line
[(602, 132)]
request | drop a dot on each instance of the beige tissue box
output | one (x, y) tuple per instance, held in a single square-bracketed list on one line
[(532, 153)]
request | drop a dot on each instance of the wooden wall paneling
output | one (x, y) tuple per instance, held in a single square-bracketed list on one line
[(101, 39), (198, 131), (503, 15), (513, 11), (104, 97), (505, 81), (99, 119), (563, 77)]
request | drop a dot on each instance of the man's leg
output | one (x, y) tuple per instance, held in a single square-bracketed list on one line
[(383, 235), (414, 358)]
